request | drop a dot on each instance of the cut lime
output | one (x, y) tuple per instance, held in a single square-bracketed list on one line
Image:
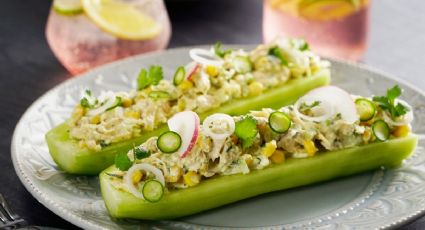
[(327, 9), (121, 19), (68, 7)]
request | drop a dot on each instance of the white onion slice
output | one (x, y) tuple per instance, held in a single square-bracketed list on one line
[(108, 99), (205, 57), (333, 100), (186, 124), (128, 177), (227, 127), (405, 119)]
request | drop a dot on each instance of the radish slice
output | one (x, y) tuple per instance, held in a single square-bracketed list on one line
[(402, 120), (218, 126), (191, 69), (186, 124), (108, 99), (205, 57), (128, 177), (333, 100)]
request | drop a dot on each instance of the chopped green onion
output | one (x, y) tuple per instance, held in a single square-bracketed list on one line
[(381, 130), (169, 142), (158, 95), (152, 190), (365, 108), (219, 52), (246, 130), (179, 75), (140, 153), (279, 122)]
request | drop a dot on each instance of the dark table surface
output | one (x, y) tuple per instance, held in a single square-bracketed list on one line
[(28, 67)]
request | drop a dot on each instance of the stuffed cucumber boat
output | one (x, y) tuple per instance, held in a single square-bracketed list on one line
[(193, 167), (216, 81)]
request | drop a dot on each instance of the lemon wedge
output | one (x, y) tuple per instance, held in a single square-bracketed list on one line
[(327, 9), (121, 19), (68, 7)]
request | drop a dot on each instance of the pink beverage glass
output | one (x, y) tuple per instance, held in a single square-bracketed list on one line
[(80, 44), (334, 30)]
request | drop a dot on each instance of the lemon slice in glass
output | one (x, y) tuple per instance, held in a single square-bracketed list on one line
[(327, 9), (121, 19), (68, 7)]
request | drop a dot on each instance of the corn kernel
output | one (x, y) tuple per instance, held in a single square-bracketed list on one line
[(278, 157), (212, 70), (269, 149), (136, 177), (255, 88), (132, 114), (186, 85), (309, 147), (95, 119), (174, 175), (127, 102), (191, 178), (401, 131), (181, 105)]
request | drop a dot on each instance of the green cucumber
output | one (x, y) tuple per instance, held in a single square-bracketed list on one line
[(152, 191), (381, 130), (169, 142), (279, 122), (222, 190), (365, 108), (73, 159), (179, 75)]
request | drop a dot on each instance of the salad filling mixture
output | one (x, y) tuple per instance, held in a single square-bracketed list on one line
[(325, 119), (213, 78)]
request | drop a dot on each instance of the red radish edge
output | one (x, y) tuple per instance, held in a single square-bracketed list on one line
[(192, 71), (194, 137)]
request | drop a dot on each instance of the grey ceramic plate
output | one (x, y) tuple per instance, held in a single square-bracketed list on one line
[(378, 199)]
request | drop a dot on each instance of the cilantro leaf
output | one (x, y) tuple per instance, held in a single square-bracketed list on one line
[(140, 153), (85, 103), (246, 130), (275, 51), (219, 52), (122, 162), (388, 102), (151, 77)]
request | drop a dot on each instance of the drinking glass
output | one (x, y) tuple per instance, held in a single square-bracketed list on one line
[(81, 44), (333, 28)]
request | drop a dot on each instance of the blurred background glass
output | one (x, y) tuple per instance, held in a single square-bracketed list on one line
[(85, 34), (333, 28)]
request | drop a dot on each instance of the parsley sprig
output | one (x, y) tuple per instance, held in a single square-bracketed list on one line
[(123, 162), (388, 102), (219, 52), (246, 130), (151, 77)]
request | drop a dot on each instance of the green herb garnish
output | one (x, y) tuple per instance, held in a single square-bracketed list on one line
[(151, 77), (304, 46), (275, 51), (118, 102), (85, 101), (219, 52), (246, 130), (122, 162), (140, 153), (388, 102)]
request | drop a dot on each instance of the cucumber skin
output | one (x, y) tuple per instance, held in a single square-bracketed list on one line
[(73, 159), (222, 190)]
